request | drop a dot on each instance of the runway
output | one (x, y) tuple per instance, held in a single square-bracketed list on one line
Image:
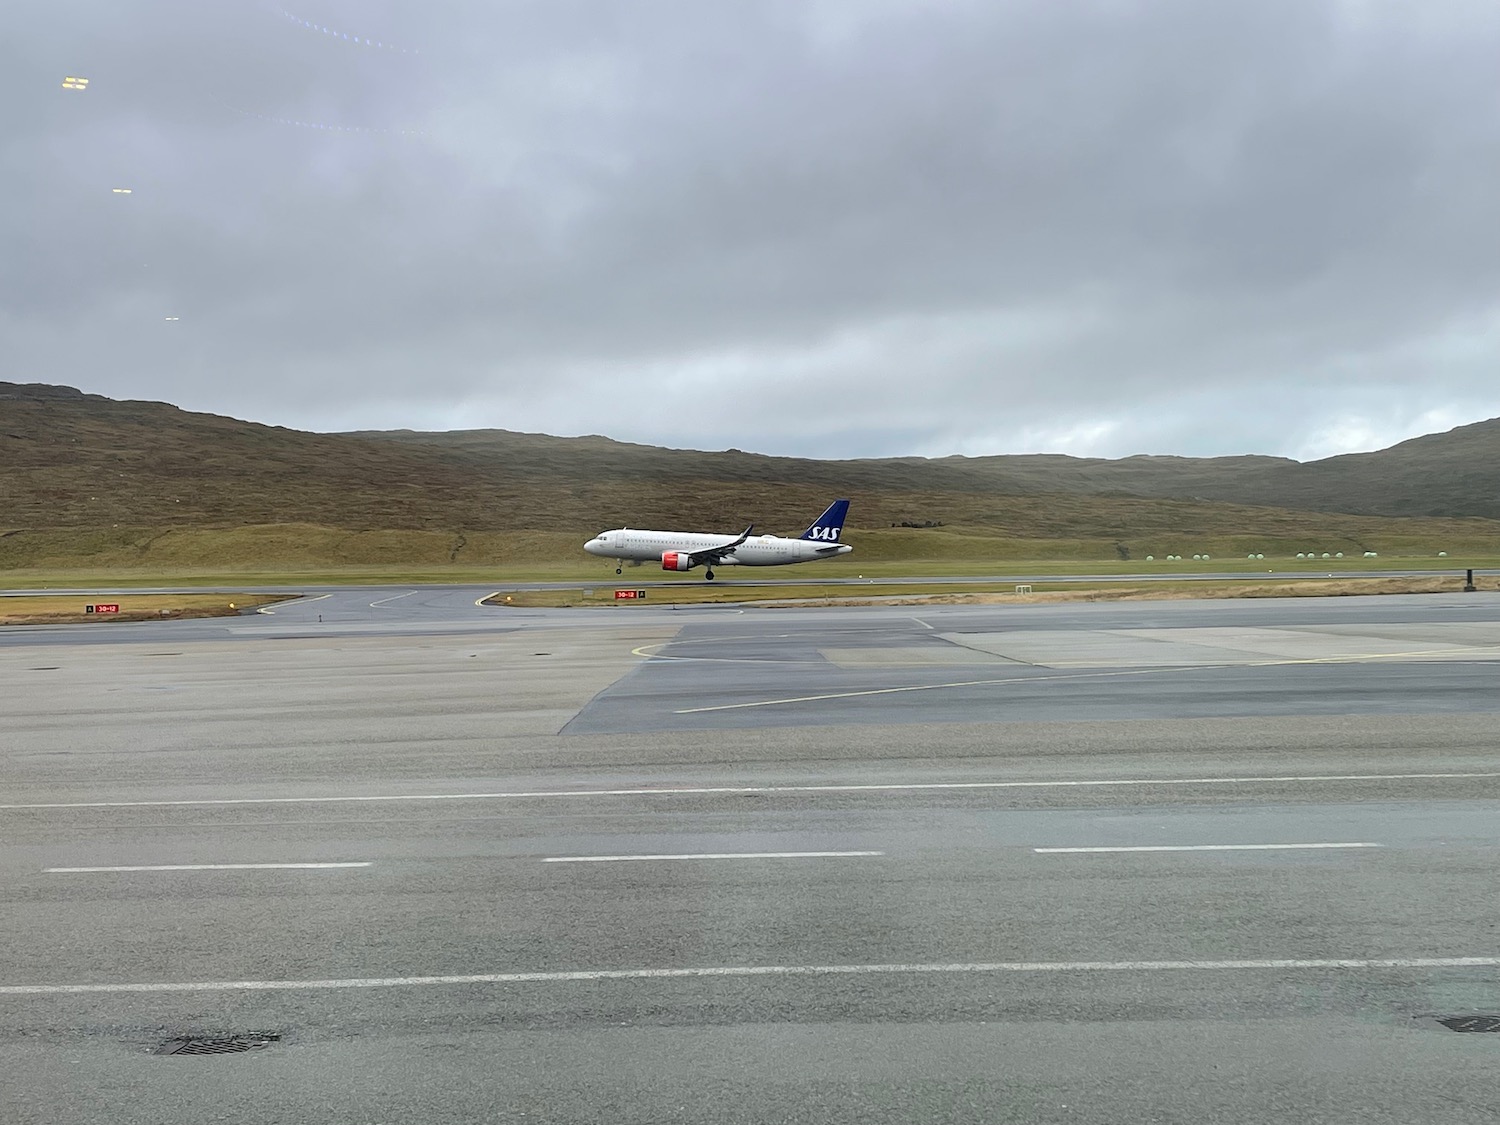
[(1172, 861)]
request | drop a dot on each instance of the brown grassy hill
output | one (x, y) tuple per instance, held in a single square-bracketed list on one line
[(1025, 474), (1456, 473), (73, 460), (1452, 474)]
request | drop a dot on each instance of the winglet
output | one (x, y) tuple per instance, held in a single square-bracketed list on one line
[(714, 555)]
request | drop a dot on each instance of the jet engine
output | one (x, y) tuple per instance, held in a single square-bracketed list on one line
[(676, 560)]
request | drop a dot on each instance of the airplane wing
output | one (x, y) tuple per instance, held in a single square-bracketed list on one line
[(713, 555)]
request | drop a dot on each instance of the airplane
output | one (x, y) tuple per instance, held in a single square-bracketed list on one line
[(684, 550)]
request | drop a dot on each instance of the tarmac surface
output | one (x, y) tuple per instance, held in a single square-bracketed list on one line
[(1164, 861)]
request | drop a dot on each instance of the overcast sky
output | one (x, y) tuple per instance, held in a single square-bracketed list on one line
[(817, 227)]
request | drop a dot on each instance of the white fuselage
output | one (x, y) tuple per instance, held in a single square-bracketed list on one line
[(631, 545)]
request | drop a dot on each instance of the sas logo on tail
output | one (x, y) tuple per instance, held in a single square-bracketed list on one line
[(831, 534)]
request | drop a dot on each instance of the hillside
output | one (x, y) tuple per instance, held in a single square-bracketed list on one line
[(1451, 474), (1456, 473), (78, 461), (1018, 475)]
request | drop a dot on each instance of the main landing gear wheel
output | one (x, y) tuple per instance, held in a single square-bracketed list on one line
[(708, 574)]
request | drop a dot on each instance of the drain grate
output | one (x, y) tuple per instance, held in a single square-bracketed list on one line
[(1470, 1023), (216, 1044)]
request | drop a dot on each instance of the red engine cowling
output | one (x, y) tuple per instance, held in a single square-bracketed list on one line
[(676, 560)]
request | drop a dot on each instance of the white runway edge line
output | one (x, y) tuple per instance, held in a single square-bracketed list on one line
[(731, 790), (706, 855), (396, 598), (1149, 671), (1201, 848), (293, 598), (905, 688), (979, 967), (207, 867)]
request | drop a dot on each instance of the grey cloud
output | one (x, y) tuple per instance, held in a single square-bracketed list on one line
[(828, 228)]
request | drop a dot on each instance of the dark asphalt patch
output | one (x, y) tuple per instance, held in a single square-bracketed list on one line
[(217, 1044)]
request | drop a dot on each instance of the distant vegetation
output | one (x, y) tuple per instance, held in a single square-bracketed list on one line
[(89, 481)]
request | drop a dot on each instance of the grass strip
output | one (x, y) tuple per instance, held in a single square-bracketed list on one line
[(590, 574), (66, 609), (938, 593)]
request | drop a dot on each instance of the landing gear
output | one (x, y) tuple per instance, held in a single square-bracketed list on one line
[(618, 570), (708, 574)]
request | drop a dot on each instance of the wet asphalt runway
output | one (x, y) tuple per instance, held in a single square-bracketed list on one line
[(1220, 861)]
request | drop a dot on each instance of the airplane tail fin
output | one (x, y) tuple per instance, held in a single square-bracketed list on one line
[(830, 525)]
